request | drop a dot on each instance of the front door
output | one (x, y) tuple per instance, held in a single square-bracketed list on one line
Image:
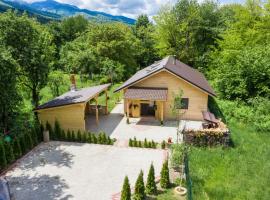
[(147, 110)]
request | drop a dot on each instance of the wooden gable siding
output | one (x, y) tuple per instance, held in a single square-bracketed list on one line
[(70, 116), (198, 99)]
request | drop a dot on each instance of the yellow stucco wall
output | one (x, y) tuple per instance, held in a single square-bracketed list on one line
[(198, 99), (70, 117)]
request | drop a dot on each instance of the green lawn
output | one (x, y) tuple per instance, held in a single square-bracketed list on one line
[(241, 172)]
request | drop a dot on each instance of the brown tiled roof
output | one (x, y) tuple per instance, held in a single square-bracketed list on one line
[(146, 93), (178, 68), (73, 97)]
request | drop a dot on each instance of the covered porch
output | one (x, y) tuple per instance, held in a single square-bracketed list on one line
[(145, 102)]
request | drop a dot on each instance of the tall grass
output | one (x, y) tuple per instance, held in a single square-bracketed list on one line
[(241, 172)]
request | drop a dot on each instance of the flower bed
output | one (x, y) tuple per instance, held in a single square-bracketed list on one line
[(207, 137)]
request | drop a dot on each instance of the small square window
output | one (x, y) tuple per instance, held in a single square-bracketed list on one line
[(184, 103)]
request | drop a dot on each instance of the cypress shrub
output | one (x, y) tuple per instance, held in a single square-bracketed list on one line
[(69, 136), (130, 142), (57, 130), (17, 148), (145, 143), (94, 139), (99, 139), (135, 143), (79, 136), (9, 152), (126, 192), (40, 130), (28, 141), (84, 137), (164, 176), (153, 144), (139, 144), (109, 141), (89, 138), (73, 137), (3, 160), (104, 138), (63, 136), (151, 187), (139, 193), (23, 144), (163, 144), (51, 132)]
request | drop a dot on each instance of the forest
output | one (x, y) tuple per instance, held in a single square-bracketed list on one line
[(229, 43)]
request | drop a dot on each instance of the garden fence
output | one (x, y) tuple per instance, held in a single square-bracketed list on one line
[(188, 179)]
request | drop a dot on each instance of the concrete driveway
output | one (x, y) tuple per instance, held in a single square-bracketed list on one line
[(62, 170)]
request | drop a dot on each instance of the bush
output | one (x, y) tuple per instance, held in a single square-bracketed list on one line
[(135, 143), (130, 142), (139, 193), (9, 152), (28, 141), (164, 176), (79, 136), (163, 144), (51, 132), (145, 143), (34, 136), (126, 192), (17, 148), (84, 137), (151, 187), (63, 135), (177, 155), (139, 144), (109, 141), (3, 161), (57, 130), (23, 144), (153, 144), (89, 138), (73, 136), (69, 138), (94, 139)]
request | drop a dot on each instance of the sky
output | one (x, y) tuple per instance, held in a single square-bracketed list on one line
[(128, 8)]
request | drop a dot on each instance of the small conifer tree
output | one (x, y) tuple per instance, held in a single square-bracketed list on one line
[(163, 144), (164, 176), (135, 143), (94, 139), (3, 160), (89, 138), (69, 135), (73, 136), (139, 144), (151, 187), (63, 135), (109, 141), (130, 142), (99, 138), (57, 130), (139, 193), (126, 192), (79, 136), (17, 148), (153, 144), (145, 143), (84, 137), (51, 132)]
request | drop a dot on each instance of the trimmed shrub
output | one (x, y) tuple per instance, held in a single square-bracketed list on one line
[(57, 130), (103, 138), (73, 136), (79, 136), (69, 138), (89, 138), (163, 144), (135, 143), (164, 176), (151, 187), (17, 148), (63, 136), (51, 132), (109, 141), (153, 144), (130, 142), (3, 161), (126, 192), (99, 139), (145, 143), (84, 137), (9, 152), (94, 139), (139, 193), (139, 144)]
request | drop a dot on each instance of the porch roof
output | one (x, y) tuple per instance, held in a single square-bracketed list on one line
[(143, 93)]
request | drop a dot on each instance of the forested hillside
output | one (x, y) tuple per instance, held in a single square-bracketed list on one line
[(230, 44)]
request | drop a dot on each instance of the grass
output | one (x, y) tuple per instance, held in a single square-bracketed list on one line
[(240, 172), (169, 195)]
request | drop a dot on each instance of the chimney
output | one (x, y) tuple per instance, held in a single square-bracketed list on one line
[(73, 83), (174, 59)]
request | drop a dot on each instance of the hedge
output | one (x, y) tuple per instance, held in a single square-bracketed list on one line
[(143, 144)]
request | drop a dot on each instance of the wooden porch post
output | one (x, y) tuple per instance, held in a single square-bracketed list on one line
[(162, 112), (96, 99), (106, 96), (127, 104)]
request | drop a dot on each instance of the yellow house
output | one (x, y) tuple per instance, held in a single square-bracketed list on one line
[(71, 109), (150, 92)]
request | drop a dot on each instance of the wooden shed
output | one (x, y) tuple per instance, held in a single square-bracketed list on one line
[(71, 108)]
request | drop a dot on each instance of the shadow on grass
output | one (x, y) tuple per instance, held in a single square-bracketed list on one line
[(43, 187)]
